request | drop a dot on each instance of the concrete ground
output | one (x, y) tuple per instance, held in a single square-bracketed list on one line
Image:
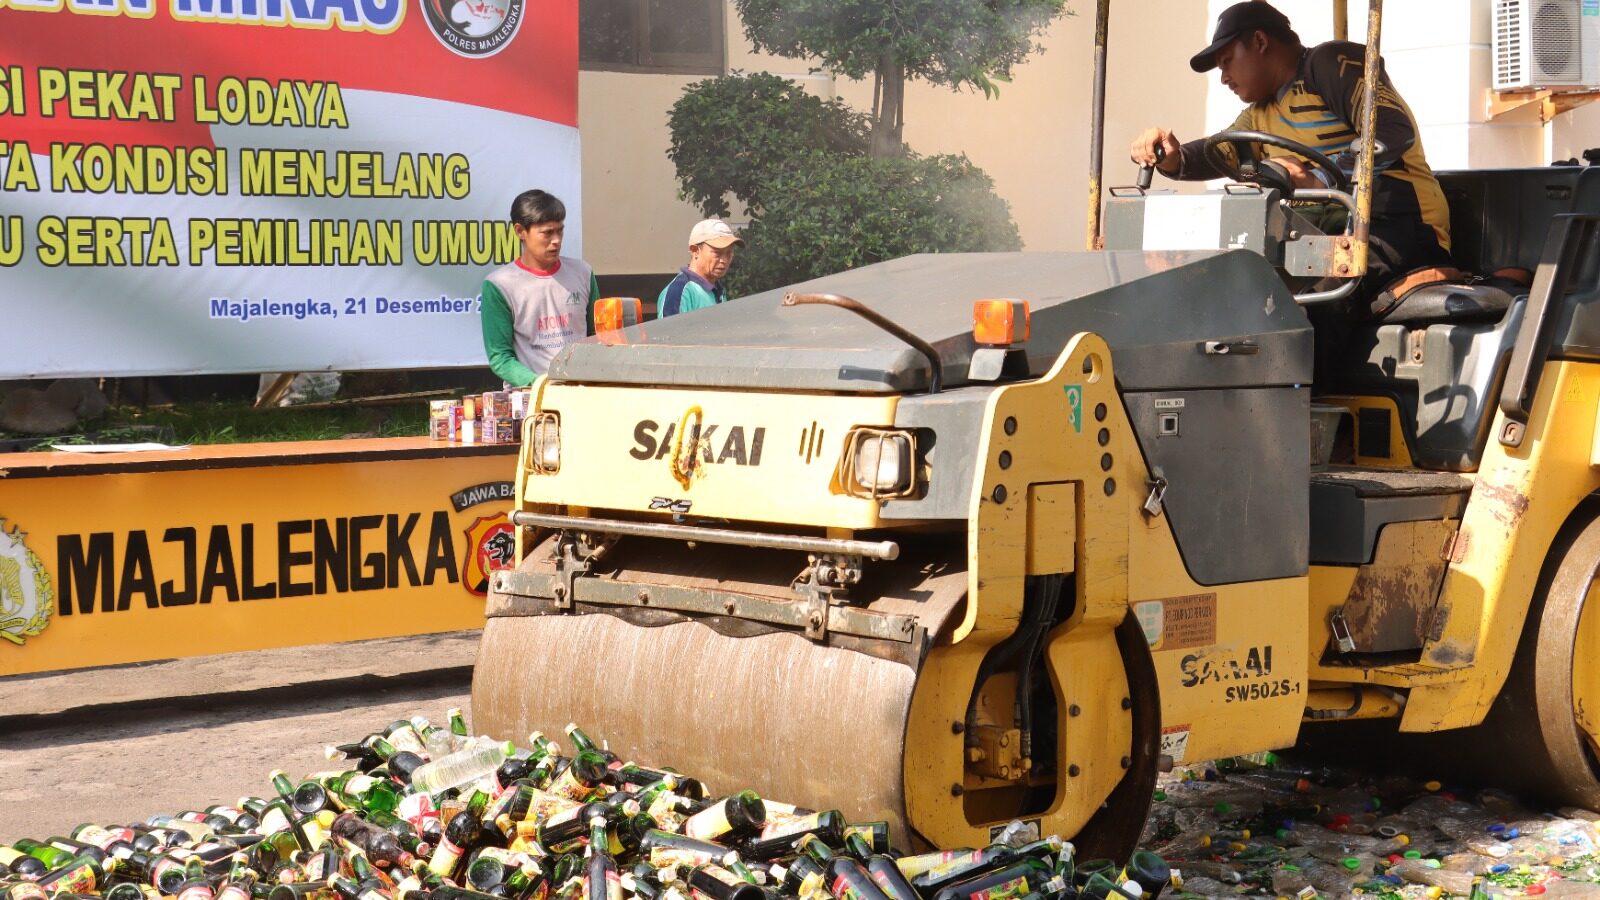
[(123, 743)]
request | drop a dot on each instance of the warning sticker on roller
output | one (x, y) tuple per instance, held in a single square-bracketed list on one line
[(1176, 623), (1175, 742)]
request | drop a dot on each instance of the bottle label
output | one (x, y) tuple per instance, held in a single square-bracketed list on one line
[(868, 833), (959, 863), (95, 835), (77, 880), (661, 857), (912, 866), (405, 738), (25, 890), (709, 823), (569, 787), (1016, 887), (234, 891), (792, 825), (613, 885), (445, 858), (810, 885), (844, 890)]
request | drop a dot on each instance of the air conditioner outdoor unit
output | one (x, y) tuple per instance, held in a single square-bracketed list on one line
[(1546, 44)]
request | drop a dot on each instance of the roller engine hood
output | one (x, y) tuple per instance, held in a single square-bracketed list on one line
[(1155, 309)]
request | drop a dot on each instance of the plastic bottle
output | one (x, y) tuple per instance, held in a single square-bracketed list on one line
[(461, 767), (1417, 872)]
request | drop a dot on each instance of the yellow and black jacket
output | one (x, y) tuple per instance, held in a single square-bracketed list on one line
[(1319, 107)]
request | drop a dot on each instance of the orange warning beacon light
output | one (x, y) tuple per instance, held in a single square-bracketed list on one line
[(617, 313), (1000, 322)]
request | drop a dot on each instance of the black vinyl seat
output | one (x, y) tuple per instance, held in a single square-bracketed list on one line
[(1447, 302), (1441, 352)]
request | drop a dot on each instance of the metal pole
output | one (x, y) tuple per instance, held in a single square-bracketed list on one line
[(1097, 122), (1341, 20), (1369, 128), (885, 550)]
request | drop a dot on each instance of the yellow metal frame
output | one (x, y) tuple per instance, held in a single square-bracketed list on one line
[(1521, 498), (1039, 438), (1399, 454)]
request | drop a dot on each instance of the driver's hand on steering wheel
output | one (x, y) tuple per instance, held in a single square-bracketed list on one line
[(1143, 150), (1301, 173)]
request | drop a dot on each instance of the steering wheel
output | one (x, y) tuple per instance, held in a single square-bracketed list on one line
[(1245, 168)]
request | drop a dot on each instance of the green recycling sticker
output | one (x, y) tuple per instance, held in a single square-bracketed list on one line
[(1075, 406)]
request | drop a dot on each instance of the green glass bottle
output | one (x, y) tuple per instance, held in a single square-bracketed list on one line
[(565, 830), (460, 835), (22, 890), (195, 885), (665, 848), (379, 844), (777, 838), (1023, 876), (603, 881), (582, 778), (714, 882), (1149, 871), (21, 863), (79, 875), (53, 857), (962, 868), (458, 728), (525, 881), (239, 883), (735, 816), (403, 736), (876, 834), (881, 868), (302, 890)]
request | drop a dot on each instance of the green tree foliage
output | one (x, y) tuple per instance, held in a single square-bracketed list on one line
[(945, 42), (819, 202), (730, 134), (827, 212)]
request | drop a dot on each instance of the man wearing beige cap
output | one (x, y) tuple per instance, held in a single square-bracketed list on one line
[(712, 245)]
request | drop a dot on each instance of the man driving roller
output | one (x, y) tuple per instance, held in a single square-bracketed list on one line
[(1313, 97)]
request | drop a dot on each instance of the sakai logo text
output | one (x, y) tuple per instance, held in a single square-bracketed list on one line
[(1226, 665), (717, 445)]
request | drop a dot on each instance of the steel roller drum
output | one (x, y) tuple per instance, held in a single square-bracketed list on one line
[(817, 724)]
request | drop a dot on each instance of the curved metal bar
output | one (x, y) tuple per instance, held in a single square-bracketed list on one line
[(1338, 293), (865, 549), (1339, 197), (935, 367)]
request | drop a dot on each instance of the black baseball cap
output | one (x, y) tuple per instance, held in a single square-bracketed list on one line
[(1235, 21)]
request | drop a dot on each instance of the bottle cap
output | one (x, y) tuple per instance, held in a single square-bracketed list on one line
[(1351, 863)]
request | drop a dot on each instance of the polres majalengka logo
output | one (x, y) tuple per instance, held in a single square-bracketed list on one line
[(474, 28)]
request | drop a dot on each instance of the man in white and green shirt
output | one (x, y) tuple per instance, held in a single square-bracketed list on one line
[(540, 302)]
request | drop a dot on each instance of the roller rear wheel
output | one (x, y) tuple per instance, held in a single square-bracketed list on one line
[(1545, 726)]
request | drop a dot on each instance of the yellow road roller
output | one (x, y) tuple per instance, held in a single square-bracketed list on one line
[(958, 539)]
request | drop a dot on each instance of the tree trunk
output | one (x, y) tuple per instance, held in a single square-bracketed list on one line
[(888, 125)]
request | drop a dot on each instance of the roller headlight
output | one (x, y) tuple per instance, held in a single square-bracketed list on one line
[(545, 433), (879, 463)]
